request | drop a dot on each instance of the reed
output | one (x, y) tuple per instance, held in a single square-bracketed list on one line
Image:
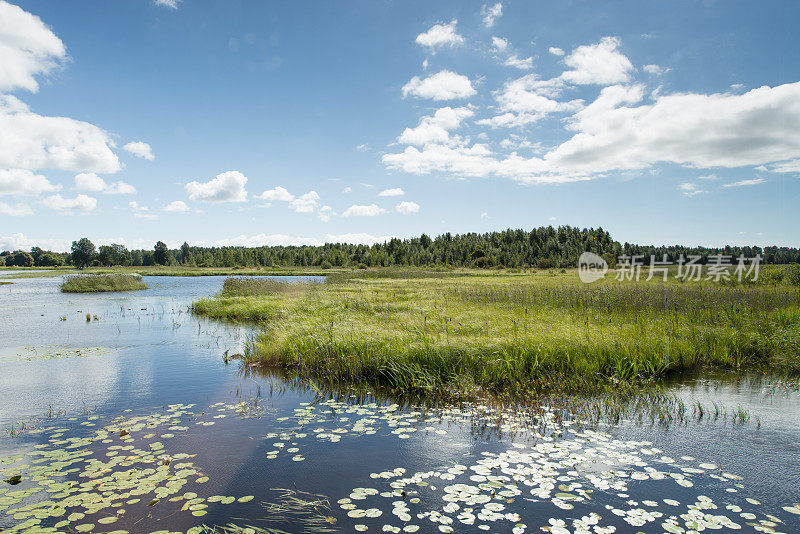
[(101, 283), (513, 334)]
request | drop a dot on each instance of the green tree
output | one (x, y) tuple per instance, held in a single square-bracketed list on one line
[(161, 254), (83, 252), (19, 259), (114, 254), (185, 253)]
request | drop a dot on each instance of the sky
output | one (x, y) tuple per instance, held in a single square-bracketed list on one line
[(276, 123)]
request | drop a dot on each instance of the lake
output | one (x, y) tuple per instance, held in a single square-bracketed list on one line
[(131, 419)]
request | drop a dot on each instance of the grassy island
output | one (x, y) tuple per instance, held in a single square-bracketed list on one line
[(470, 331), (102, 283)]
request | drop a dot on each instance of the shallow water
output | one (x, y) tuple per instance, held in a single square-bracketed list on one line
[(137, 405)]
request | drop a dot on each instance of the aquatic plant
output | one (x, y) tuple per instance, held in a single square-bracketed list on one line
[(513, 334), (97, 283)]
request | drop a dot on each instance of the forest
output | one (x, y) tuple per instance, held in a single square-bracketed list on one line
[(544, 247)]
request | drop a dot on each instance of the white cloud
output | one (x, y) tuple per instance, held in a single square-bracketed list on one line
[(324, 213), (787, 166), (28, 48), (406, 208), (708, 177), (600, 64), (33, 142), (357, 238), (363, 147), (746, 183), (225, 187), (17, 210), (528, 99), (148, 216), (435, 129), (277, 194), (556, 51), (444, 85), (491, 14), (394, 192), (518, 63), (697, 130), (440, 35), (140, 150), (89, 181), (136, 207), (177, 206), (363, 211), (551, 218), (654, 69), (347, 189), (79, 203), (485, 215), (20, 182), (499, 43), (172, 4), (306, 203), (463, 160), (20, 241), (689, 189), (264, 240)]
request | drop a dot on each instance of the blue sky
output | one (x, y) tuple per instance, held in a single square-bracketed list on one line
[(304, 122)]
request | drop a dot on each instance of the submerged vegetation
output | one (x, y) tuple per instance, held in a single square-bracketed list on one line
[(101, 283), (511, 334)]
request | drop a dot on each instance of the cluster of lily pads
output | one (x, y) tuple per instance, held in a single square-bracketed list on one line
[(546, 474), (29, 354), (85, 482)]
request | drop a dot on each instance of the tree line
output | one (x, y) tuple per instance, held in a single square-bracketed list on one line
[(544, 247)]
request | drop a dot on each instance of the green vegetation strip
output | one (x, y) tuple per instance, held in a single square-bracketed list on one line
[(99, 283), (511, 334)]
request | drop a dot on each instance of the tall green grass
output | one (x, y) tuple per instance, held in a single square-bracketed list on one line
[(99, 283), (514, 334)]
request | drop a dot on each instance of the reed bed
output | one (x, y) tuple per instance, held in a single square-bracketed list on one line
[(514, 334), (101, 283)]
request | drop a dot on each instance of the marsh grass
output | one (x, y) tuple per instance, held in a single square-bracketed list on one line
[(510, 334), (99, 283)]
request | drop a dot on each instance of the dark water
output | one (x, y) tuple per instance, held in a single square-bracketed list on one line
[(133, 422)]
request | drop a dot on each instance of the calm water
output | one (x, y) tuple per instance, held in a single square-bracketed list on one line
[(133, 422)]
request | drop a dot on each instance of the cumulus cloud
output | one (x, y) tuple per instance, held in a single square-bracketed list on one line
[(27, 49), (518, 63), (601, 64), (746, 183), (440, 35), (140, 150), (444, 85), (357, 238), (177, 206), (435, 129), (529, 99), (491, 14), (172, 4), (499, 43), (89, 181), (654, 69), (263, 240), (306, 203), (33, 142), (393, 192), (356, 210), (21, 182), (556, 51), (19, 209), (225, 187), (689, 189), (324, 213), (617, 132), (82, 203), (277, 194), (406, 208)]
